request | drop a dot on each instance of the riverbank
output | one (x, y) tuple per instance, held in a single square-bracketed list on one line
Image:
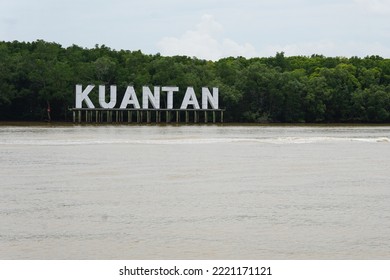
[(59, 123)]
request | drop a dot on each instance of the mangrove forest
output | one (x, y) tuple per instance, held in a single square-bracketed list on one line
[(38, 79)]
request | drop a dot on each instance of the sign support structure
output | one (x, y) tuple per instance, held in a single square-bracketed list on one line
[(108, 113)]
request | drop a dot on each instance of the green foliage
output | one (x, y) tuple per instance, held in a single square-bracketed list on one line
[(38, 75)]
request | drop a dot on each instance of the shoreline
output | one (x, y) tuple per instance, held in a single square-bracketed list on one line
[(227, 124)]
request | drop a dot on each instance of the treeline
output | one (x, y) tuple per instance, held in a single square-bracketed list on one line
[(40, 75)]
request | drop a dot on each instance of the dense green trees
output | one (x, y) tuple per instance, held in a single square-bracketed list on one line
[(40, 75)]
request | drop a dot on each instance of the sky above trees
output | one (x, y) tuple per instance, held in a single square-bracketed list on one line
[(207, 29)]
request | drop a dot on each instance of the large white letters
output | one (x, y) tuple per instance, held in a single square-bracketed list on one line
[(83, 95), (102, 97), (190, 99), (130, 98), (154, 98), (207, 97), (170, 91)]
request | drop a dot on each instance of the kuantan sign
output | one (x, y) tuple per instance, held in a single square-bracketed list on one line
[(157, 105), (130, 99)]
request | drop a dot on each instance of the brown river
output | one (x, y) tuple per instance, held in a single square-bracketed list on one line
[(194, 192)]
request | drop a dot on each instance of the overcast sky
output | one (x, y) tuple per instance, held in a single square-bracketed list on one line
[(208, 29)]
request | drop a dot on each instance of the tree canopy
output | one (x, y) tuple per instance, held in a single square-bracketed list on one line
[(35, 76)]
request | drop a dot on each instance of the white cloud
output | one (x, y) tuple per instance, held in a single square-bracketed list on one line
[(205, 42), (375, 6), (256, 28)]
